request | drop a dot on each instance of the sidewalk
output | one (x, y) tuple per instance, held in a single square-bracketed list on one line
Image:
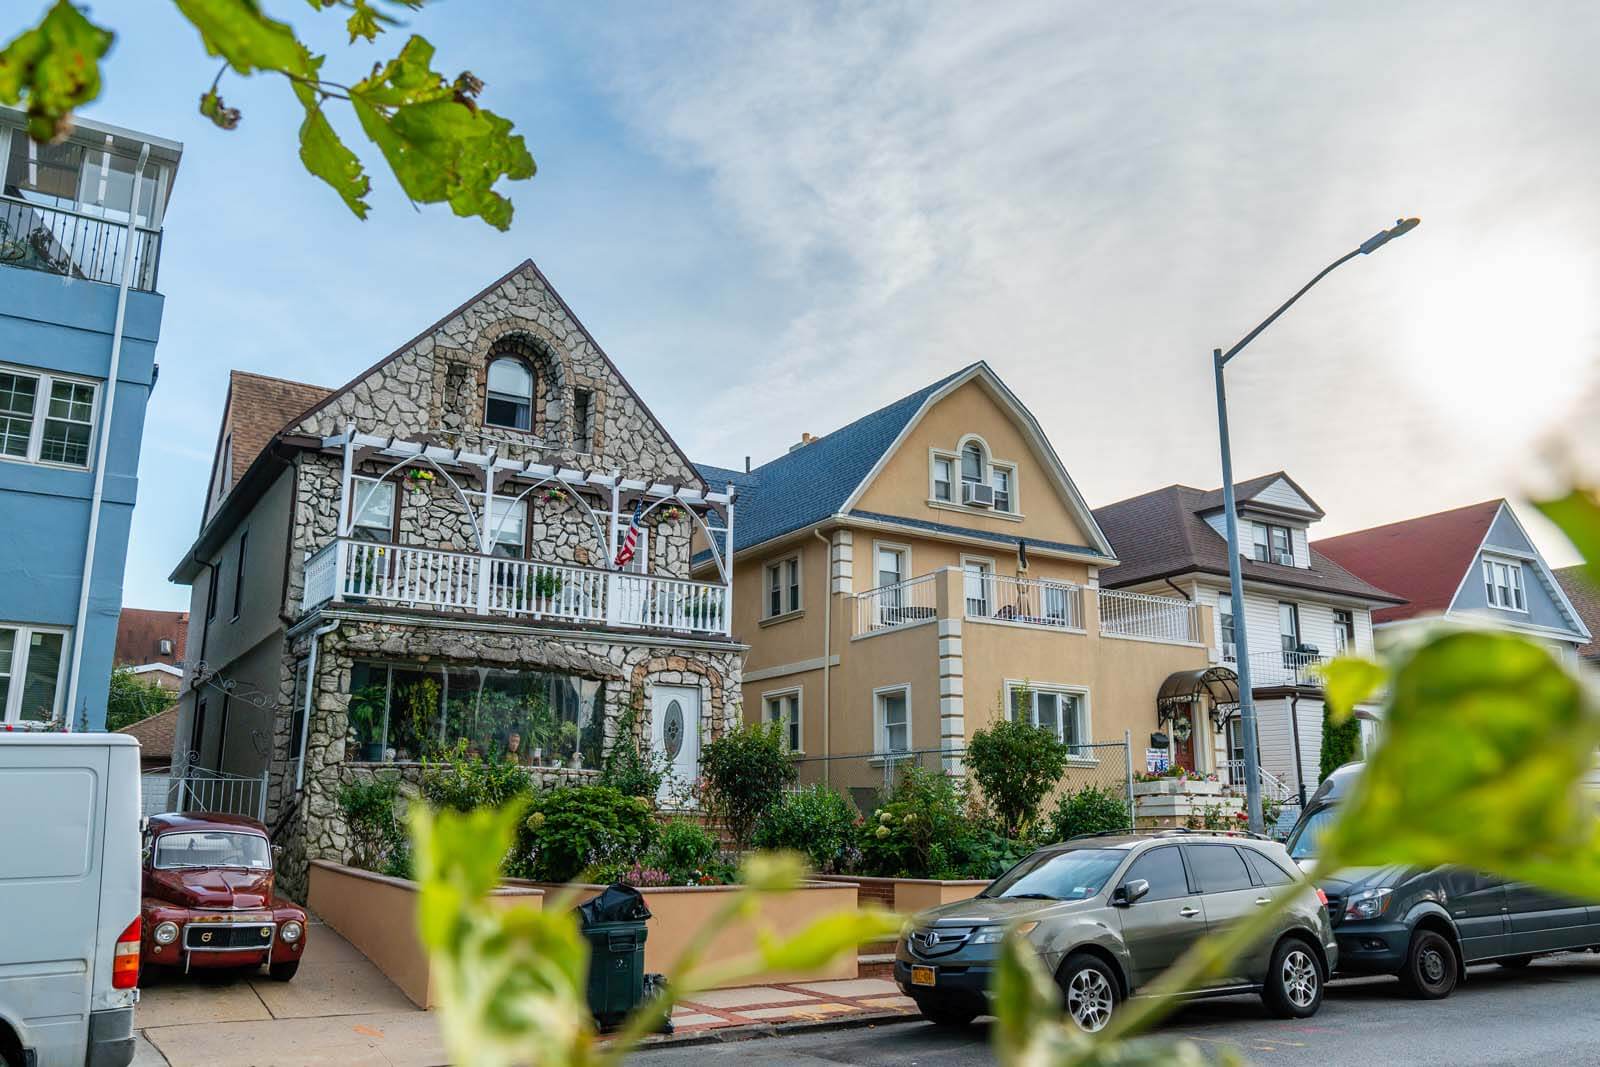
[(340, 1010)]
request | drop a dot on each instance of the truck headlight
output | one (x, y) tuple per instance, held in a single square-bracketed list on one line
[(290, 931), (165, 933), (1367, 904), (993, 935)]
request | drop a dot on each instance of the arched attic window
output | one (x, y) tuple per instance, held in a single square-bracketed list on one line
[(972, 462), (510, 394)]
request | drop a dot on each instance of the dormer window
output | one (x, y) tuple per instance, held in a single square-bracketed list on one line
[(510, 401), (1502, 580), (1273, 544)]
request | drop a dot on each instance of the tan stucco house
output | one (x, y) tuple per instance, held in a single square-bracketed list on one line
[(899, 580), (428, 555)]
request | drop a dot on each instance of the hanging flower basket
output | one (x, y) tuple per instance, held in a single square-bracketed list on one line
[(670, 513), (554, 496), (420, 479)]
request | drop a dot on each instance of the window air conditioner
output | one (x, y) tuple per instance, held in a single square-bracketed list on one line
[(977, 494), (1283, 559), (1229, 654)]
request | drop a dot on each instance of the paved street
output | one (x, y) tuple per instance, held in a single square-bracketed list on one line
[(1545, 1015)]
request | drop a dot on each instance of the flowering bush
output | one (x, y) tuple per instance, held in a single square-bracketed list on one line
[(1182, 774), (815, 821)]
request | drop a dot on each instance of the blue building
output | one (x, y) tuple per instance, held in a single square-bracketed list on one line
[(80, 246)]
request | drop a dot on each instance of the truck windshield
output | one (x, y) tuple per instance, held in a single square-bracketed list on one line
[(1076, 874), (213, 848), (1308, 834)]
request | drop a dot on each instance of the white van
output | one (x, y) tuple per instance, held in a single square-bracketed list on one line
[(69, 899)]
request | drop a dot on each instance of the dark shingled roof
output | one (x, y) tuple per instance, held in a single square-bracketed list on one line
[(1162, 534), (1585, 597), (811, 483)]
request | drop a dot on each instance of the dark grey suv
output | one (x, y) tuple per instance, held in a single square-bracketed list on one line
[(1108, 914)]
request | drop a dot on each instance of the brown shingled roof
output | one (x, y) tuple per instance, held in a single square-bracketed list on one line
[(260, 406), (139, 634), (1585, 597), (1162, 534), (158, 735)]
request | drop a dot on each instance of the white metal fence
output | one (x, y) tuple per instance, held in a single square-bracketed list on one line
[(901, 604), (1149, 618), (1030, 601), (198, 789)]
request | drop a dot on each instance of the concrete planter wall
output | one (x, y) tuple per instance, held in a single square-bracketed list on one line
[(910, 895), (678, 912), (378, 915), (1177, 786), (1168, 810)]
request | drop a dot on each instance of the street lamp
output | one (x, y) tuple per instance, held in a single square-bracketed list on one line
[(1219, 359)]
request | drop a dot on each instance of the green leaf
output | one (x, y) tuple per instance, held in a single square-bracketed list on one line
[(1578, 515), (326, 156), (1487, 740), (827, 938), (237, 31), (1026, 1003), (56, 66), (439, 143), (1350, 680), (212, 107)]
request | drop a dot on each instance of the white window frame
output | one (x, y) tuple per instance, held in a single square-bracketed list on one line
[(45, 383), (1225, 607), (1344, 640), (1260, 544), (893, 546), (1077, 693), (880, 727), (791, 596), (492, 530), (358, 504), (1010, 471), (987, 584), (11, 700), (640, 563), (1513, 572), (794, 734), (491, 393), (935, 457)]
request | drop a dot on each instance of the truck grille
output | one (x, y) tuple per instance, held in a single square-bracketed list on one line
[(211, 937), (932, 942)]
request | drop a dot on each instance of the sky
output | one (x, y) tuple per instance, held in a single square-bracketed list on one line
[(777, 217)]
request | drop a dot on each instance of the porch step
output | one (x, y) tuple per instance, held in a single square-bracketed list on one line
[(875, 965)]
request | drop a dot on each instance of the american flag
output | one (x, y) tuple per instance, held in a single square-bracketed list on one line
[(630, 540)]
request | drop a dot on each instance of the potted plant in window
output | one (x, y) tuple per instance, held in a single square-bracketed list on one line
[(366, 722)]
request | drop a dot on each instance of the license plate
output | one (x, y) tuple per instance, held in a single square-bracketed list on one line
[(922, 976)]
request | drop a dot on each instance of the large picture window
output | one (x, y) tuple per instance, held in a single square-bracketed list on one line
[(46, 418), (32, 665), (402, 712), (1063, 712)]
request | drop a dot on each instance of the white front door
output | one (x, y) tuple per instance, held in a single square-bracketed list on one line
[(675, 732)]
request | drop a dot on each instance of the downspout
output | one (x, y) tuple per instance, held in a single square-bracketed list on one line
[(1299, 761), (105, 441), (827, 650), (311, 685), (1179, 590)]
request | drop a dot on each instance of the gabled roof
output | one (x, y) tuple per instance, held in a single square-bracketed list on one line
[(1585, 598), (139, 634), (258, 407), (158, 735), (1162, 534), (827, 476), (1423, 559), (1252, 492)]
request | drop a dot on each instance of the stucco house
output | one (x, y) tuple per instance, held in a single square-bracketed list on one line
[(902, 579), (428, 555), (1474, 562), (1300, 606)]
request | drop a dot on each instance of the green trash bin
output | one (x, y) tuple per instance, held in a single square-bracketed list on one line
[(614, 924)]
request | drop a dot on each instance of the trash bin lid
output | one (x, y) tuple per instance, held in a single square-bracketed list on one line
[(616, 903)]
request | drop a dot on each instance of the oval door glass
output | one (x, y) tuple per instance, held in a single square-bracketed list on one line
[(672, 729)]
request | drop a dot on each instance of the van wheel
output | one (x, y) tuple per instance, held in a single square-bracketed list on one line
[(1515, 963), (1293, 989), (282, 972), (1090, 990), (1432, 966)]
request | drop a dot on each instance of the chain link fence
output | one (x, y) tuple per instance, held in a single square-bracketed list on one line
[(868, 777)]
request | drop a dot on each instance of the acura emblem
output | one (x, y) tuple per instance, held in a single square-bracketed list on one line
[(933, 938)]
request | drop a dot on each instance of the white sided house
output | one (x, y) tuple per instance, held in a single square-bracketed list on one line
[(1301, 608), (429, 557)]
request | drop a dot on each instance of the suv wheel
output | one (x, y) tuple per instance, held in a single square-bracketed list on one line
[(953, 1016), (1432, 966), (1293, 989), (1090, 990)]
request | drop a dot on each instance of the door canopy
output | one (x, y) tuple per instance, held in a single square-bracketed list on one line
[(1184, 688)]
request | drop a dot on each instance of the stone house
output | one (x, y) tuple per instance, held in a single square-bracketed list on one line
[(481, 540)]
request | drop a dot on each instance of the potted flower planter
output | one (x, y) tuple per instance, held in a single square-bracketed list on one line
[(1177, 786)]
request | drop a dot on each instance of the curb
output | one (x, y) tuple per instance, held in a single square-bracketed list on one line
[(756, 1031)]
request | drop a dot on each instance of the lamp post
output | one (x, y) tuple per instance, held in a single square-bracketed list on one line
[(1219, 360)]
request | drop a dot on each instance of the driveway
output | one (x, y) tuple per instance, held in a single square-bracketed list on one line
[(338, 1010)]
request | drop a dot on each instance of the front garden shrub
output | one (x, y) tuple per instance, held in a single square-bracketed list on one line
[(631, 767), (921, 831), (1016, 764), (746, 771), (377, 837), (464, 782), (1341, 742), (1090, 810), (816, 821), (572, 829)]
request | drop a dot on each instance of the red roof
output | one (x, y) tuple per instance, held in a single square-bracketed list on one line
[(1422, 559), (139, 634)]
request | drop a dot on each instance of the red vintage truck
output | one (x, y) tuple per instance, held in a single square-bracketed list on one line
[(208, 899)]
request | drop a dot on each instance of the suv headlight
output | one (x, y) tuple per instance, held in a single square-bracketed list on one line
[(993, 935), (165, 933), (1367, 904), (290, 931)]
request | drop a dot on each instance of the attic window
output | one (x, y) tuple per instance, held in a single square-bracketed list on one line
[(1273, 544), (1502, 580), (510, 400)]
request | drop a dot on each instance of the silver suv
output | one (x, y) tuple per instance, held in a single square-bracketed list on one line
[(1107, 914)]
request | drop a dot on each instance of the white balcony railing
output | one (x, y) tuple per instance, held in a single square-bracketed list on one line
[(1272, 787), (1279, 668), (1027, 601), (1148, 617), (408, 576), (901, 604)]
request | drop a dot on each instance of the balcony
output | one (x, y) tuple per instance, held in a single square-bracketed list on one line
[(1279, 669), (1034, 603), (76, 245), (363, 572)]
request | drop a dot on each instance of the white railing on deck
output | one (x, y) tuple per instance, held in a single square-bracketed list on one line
[(410, 576), (901, 604), (1027, 601), (1149, 618), (1286, 668)]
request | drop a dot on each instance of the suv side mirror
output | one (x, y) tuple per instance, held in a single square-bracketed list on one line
[(1130, 892)]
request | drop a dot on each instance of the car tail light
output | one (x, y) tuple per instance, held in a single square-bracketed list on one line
[(1322, 896), (125, 964)]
